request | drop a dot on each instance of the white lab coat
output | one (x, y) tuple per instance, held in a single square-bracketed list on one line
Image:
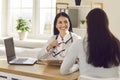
[(49, 55)]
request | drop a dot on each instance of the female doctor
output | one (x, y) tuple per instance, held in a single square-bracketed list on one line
[(61, 40)]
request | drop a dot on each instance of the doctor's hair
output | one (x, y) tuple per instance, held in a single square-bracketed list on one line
[(56, 32), (103, 47)]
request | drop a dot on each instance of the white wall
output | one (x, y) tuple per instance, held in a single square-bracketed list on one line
[(113, 11), (111, 7)]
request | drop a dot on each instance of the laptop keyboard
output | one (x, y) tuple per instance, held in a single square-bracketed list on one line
[(21, 60)]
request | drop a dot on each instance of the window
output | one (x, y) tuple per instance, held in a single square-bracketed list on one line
[(40, 12), (47, 13), (18, 8)]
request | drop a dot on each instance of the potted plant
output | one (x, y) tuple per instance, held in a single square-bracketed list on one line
[(82, 23), (22, 28)]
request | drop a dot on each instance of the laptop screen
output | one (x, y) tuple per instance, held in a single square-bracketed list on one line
[(9, 47)]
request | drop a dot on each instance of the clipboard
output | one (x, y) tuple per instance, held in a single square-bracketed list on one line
[(51, 62)]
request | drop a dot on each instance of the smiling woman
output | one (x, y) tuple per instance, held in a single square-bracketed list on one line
[(63, 37)]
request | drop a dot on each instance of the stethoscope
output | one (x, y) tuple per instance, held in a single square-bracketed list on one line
[(54, 54)]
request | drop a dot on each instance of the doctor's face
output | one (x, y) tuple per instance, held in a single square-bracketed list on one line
[(63, 24)]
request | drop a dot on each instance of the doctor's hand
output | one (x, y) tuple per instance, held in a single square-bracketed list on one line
[(53, 44)]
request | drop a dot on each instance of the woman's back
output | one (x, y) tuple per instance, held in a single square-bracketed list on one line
[(98, 53), (103, 46), (90, 70), (77, 51)]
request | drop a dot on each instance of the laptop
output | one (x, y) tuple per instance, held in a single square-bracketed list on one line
[(11, 56)]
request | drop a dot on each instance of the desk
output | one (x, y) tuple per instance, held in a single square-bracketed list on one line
[(38, 71)]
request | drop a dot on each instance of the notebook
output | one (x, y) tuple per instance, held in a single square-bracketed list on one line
[(11, 56)]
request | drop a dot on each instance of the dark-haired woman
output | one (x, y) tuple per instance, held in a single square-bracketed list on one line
[(98, 52), (61, 40)]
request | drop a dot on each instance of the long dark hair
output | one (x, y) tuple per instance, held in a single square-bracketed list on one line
[(56, 32), (103, 47)]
